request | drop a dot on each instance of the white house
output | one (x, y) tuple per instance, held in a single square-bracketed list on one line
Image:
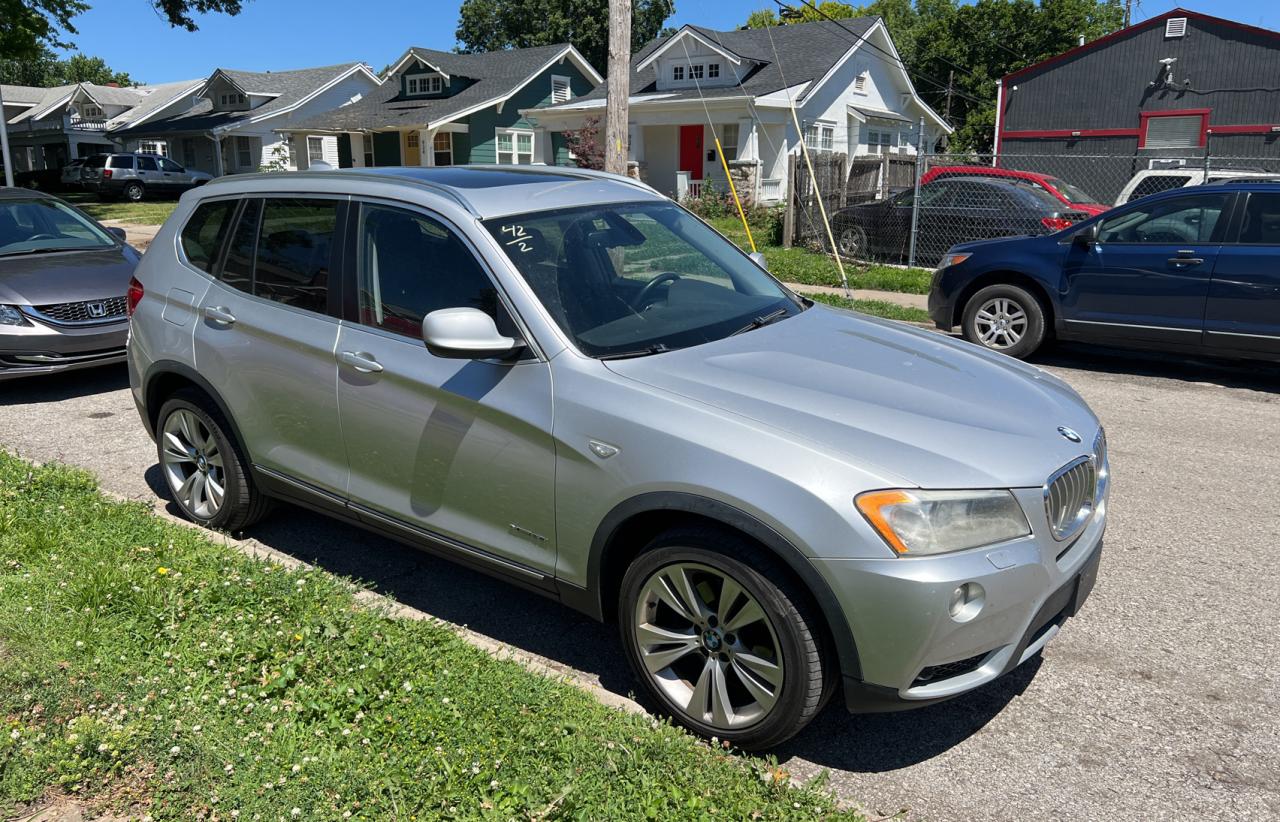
[(230, 123), (850, 90)]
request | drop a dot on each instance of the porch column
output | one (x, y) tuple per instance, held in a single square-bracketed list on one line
[(357, 148), (217, 155), (426, 146)]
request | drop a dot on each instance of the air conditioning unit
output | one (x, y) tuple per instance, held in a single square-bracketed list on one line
[(1166, 162)]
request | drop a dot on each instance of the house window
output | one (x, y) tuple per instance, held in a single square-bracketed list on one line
[(244, 152), (860, 82), (677, 72), (232, 99), (91, 112), (695, 71), (442, 149), (820, 136), (315, 150), (515, 147), (713, 70), (729, 140), (1173, 131), (560, 89), (424, 84), (880, 142), (154, 147)]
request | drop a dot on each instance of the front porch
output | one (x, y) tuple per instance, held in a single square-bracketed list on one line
[(680, 160)]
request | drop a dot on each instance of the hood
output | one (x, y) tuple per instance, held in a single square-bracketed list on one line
[(888, 397), (973, 245), (66, 276)]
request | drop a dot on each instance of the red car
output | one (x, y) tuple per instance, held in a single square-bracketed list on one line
[(1072, 196)]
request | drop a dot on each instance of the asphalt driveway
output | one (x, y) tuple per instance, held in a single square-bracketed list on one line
[(1161, 700)]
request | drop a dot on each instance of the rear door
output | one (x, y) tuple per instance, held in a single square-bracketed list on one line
[(1243, 311), (266, 334), (1147, 276)]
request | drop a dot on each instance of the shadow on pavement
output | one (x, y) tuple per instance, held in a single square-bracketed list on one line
[(64, 386), (1254, 375)]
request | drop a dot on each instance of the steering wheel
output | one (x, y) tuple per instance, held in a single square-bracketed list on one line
[(646, 293)]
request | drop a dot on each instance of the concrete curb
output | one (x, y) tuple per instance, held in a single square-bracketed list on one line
[(920, 301)]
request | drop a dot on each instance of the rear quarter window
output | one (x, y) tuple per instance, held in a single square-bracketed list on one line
[(205, 231), (123, 161)]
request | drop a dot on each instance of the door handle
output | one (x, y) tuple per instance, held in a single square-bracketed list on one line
[(220, 314), (360, 361), (1184, 261)]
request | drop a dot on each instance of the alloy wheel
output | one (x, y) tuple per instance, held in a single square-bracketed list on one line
[(852, 240), (1000, 323), (192, 464), (708, 645)]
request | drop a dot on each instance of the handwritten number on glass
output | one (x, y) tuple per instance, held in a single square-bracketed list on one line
[(520, 238)]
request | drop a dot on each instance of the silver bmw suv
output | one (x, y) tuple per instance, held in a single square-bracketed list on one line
[(564, 379)]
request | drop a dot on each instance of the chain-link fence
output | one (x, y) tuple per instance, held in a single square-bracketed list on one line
[(909, 210)]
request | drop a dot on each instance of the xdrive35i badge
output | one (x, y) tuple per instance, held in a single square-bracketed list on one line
[(1068, 433)]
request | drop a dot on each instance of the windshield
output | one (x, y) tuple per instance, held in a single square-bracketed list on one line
[(39, 225), (639, 278), (1073, 193)]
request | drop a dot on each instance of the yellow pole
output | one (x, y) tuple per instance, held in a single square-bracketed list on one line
[(826, 223), (733, 190)]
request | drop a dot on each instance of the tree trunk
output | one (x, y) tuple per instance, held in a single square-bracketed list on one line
[(615, 129)]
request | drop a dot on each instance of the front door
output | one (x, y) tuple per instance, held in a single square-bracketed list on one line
[(412, 149), (266, 335), (150, 175), (1146, 278), (691, 151), (1243, 313), (455, 448)]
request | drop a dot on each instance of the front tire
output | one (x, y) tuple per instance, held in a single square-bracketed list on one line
[(1005, 318), (721, 638), (852, 241), (206, 474)]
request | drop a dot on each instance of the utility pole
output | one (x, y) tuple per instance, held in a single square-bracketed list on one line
[(619, 90), (4, 144), (951, 78), (1128, 12)]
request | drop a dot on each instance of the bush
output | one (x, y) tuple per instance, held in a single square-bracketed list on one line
[(712, 203)]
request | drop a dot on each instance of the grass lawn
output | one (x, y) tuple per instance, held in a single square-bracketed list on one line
[(800, 265), (878, 308), (147, 212), (147, 669)]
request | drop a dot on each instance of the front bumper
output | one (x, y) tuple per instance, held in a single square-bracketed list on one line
[(34, 349), (912, 652)]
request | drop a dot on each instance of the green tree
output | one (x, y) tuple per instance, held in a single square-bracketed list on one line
[(28, 26), (491, 25), (81, 68), (798, 12), (46, 69)]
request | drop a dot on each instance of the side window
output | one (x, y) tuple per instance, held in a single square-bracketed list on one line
[(122, 161), (411, 265), (147, 164), (237, 271), (168, 165), (203, 234), (295, 243), (1180, 220), (1261, 224), (1157, 183)]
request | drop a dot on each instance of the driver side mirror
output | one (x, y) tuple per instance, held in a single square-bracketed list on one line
[(758, 259), (465, 334), (1086, 237), (117, 232)]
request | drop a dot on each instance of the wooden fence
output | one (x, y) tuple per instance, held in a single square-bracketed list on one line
[(841, 181)]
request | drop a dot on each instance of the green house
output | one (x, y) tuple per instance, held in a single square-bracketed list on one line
[(437, 108)]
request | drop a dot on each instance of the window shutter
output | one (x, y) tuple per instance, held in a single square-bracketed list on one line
[(1173, 132), (1175, 27)]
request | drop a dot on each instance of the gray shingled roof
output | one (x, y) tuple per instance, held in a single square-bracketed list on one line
[(155, 97), (49, 97), (496, 73), (22, 95), (290, 86), (805, 52)]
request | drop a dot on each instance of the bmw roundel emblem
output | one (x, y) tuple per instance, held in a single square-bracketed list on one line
[(1068, 433)]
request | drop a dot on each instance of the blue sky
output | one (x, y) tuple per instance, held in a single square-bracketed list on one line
[(285, 34)]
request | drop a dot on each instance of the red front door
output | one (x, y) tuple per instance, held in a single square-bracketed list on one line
[(691, 151)]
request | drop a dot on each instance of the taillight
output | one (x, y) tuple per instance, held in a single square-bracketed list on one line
[(1057, 223), (106, 174), (134, 296)]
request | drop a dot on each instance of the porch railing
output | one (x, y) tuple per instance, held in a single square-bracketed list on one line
[(83, 124)]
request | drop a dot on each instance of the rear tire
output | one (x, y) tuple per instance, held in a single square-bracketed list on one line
[(134, 192), (205, 472), (1005, 318), (750, 666)]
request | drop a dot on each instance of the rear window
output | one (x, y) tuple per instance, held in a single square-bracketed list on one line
[(96, 161), (1157, 183), (281, 250), (203, 234), (122, 161)]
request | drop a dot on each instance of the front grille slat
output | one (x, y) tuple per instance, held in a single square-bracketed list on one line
[(84, 312), (1070, 496)]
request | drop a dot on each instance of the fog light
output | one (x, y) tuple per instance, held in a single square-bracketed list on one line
[(966, 602)]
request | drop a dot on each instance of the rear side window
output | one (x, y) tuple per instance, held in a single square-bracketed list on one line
[(203, 234), (122, 161), (1157, 183), (1261, 224), (282, 251)]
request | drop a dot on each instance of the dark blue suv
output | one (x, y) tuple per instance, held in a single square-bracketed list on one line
[(1194, 270)]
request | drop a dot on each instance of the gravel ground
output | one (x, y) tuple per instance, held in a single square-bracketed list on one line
[(1161, 700)]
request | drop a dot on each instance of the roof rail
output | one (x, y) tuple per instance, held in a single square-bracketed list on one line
[(444, 191)]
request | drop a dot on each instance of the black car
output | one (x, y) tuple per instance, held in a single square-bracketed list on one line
[(952, 210), (1193, 270), (64, 286)]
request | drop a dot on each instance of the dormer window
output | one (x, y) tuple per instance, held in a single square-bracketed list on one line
[(424, 84), (90, 111), (233, 99), (713, 71), (677, 72)]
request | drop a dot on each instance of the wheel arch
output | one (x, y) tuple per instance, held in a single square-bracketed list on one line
[(165, 378), (632, 524), (1007, 276)]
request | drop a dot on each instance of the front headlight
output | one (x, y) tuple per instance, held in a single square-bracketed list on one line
[(10, 315), (952, 259), (920, 523)]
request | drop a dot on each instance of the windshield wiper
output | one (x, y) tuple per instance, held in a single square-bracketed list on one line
[(25, 251), (659, 348), (761, 322)]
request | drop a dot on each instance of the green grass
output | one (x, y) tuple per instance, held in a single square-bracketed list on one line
[(800, 265), (147, 212), (144, 667), (878, 308)]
